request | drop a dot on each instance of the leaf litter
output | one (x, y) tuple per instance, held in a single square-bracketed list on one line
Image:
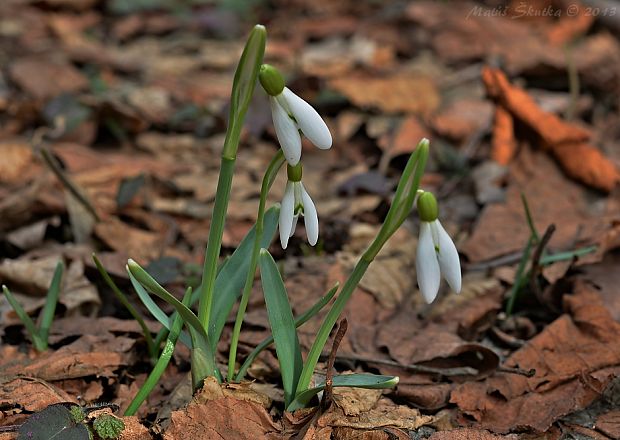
[(143, 92)]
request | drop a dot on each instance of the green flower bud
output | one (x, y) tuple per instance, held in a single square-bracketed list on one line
[(294, 173), (427, 207), (271, 79)]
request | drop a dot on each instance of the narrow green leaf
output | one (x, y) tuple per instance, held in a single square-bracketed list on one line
[(371, 381), (162, 362), (282, 324), (47, 313), (568, 255), (199, 334), (299, 321), (125, 302), (231, 278), (32, 330)]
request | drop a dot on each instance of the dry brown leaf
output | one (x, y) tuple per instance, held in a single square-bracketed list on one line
[(567, 142), (88, 356), (571, 26), (224, 418), (403, 92), (17, 161), (504, 146), (385, 414), (609, 423), (143, 246), (463, 118), (502, 228), (470, 434), (45, 79), (574, 357), (134, 430)]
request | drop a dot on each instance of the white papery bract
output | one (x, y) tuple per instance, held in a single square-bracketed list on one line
[(296, 201), (290, 114), (436, 256)]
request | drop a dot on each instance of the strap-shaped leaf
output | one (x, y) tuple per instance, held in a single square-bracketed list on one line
[(230, 279), (282, 324), (299, 321), (31, 328), (373, 381), (188, 316), (155, 310), (51, 300)]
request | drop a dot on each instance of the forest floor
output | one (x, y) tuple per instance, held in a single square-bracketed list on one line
[(131, 100)]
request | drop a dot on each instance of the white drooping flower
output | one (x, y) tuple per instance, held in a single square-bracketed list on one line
[(292, 114), (296, 202), (436, 255)]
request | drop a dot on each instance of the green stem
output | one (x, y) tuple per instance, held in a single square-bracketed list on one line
[(47, 314), (299, 321), (151, 345), (162, 362), (216, 231), (330, 320), (269, 177)]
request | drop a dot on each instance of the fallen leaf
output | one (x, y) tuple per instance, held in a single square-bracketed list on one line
[(45, 79), (573, 357), (502, 228), (609, 423), (504, 145), (402, 92), (470, 434), (567, 142), (223, 418)]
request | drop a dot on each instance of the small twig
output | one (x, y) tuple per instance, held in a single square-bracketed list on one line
[(536, 269), (329, 376), (53, 165), (514, 370), (446, 372)]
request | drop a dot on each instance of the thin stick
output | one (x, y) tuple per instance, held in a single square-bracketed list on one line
[(329, 376)]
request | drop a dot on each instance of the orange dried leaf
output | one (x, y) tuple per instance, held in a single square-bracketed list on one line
[(504, 144)]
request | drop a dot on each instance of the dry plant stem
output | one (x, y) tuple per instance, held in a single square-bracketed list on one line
[(444, 372), (520, 371), (53, 165), (269, 177), (329, 375)]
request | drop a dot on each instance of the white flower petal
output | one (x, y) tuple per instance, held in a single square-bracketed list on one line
[(286, 214), (311, 218), (308, 120), (448, 258), (295, 218), (426, 264), (286, 131)]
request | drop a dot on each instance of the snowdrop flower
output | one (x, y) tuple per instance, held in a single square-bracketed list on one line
[(291, 114), (436, 254), (296, 201)]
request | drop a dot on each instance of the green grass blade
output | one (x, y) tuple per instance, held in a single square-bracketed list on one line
[(152, 348), (519, 276), (47, 313), (198, 332), (162, 362), (299, 321), (282, 324), (371, 381), (568, 255), (39, 344), (530, 220)]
